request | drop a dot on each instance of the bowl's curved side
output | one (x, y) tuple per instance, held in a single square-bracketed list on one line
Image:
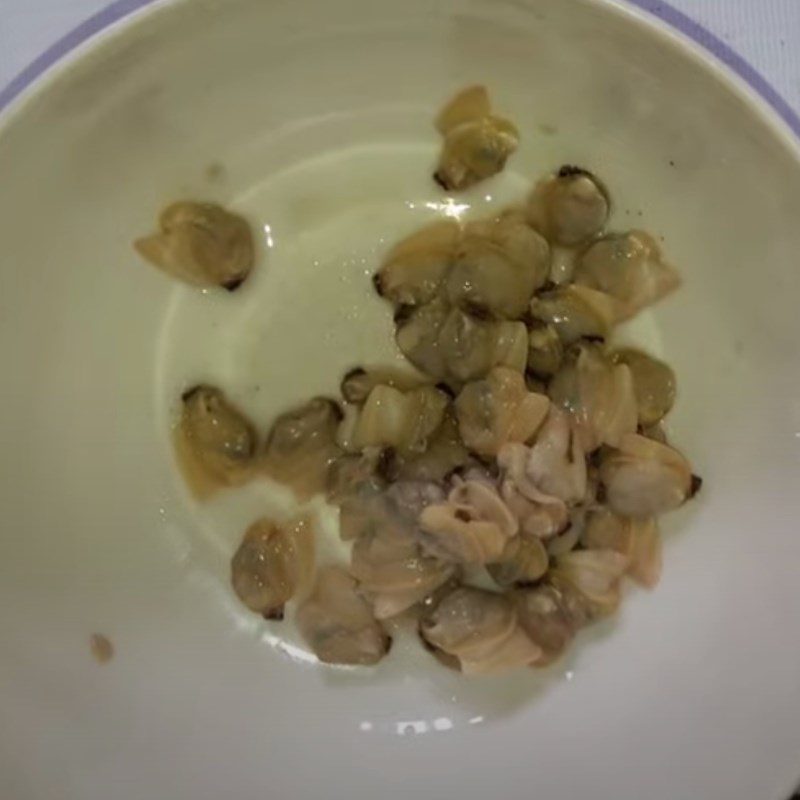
[(120, 10)]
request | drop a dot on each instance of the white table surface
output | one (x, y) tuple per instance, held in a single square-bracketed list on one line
[(766, 33)]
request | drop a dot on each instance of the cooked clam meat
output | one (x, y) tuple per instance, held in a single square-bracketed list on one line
[(413, 270), (357, 384), (392, 571), (595, 575), (338, 624), (644, 478), (479, 631), (302, 445), (523, 561), (637, 539), (599, 394), (498, 266), (215, 443), (653, 384), (576, 312), (556, 462), (570, 207), (402, 420), (550, 615), (272, 564), (445, 453), (201, 244), (477, 143), (545, 350), (630, 268), (473, 526), (451, 346), (499, 409)]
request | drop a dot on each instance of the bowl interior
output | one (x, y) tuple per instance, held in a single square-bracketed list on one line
[(322, 135)]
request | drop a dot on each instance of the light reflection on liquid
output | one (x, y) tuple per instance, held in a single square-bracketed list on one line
[(449, 208)]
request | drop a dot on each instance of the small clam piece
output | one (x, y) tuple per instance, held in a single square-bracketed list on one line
[(497, 410), (541, 520), (418, 331), (361, 510), (479, 631), (646, 557), (630, 268), (605, 530), (510, 345), (452, 346), (359, 382), (539, 514), (556, 462), (637, 539), (548, 616), (570, 207), (576, 312), (595, 575), (653, 384), (545, 350), (401, 420), (214, 442), (566, 541), (499, 265), (598, 393), (391, 571), (350, 470), (413, 270), (338, 624), (469, 104), (472, 527), (301, 446), (524, 561), (445, 454), (272, 564), (477, 143), (644, 478), (201, 244)]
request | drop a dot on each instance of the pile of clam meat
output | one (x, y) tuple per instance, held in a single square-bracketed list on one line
[(497, 492)]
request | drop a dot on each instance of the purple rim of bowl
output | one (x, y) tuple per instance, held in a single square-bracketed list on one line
[(667, 13)]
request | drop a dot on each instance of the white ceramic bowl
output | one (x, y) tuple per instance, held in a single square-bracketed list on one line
[(314, 118)]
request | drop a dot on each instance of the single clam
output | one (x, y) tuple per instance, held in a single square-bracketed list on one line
[(570, 207), (413, 270), (523, 561), (478, 632), (644, 478), (576, 312), (499, 409), (653, 384), (201, 244), (472, 527), (598, 393), (545, 350), (404, 421), (630, 268), (272, 564), (301, 446), (215, 443), (452, 346), (338, 624), (499, 265)]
